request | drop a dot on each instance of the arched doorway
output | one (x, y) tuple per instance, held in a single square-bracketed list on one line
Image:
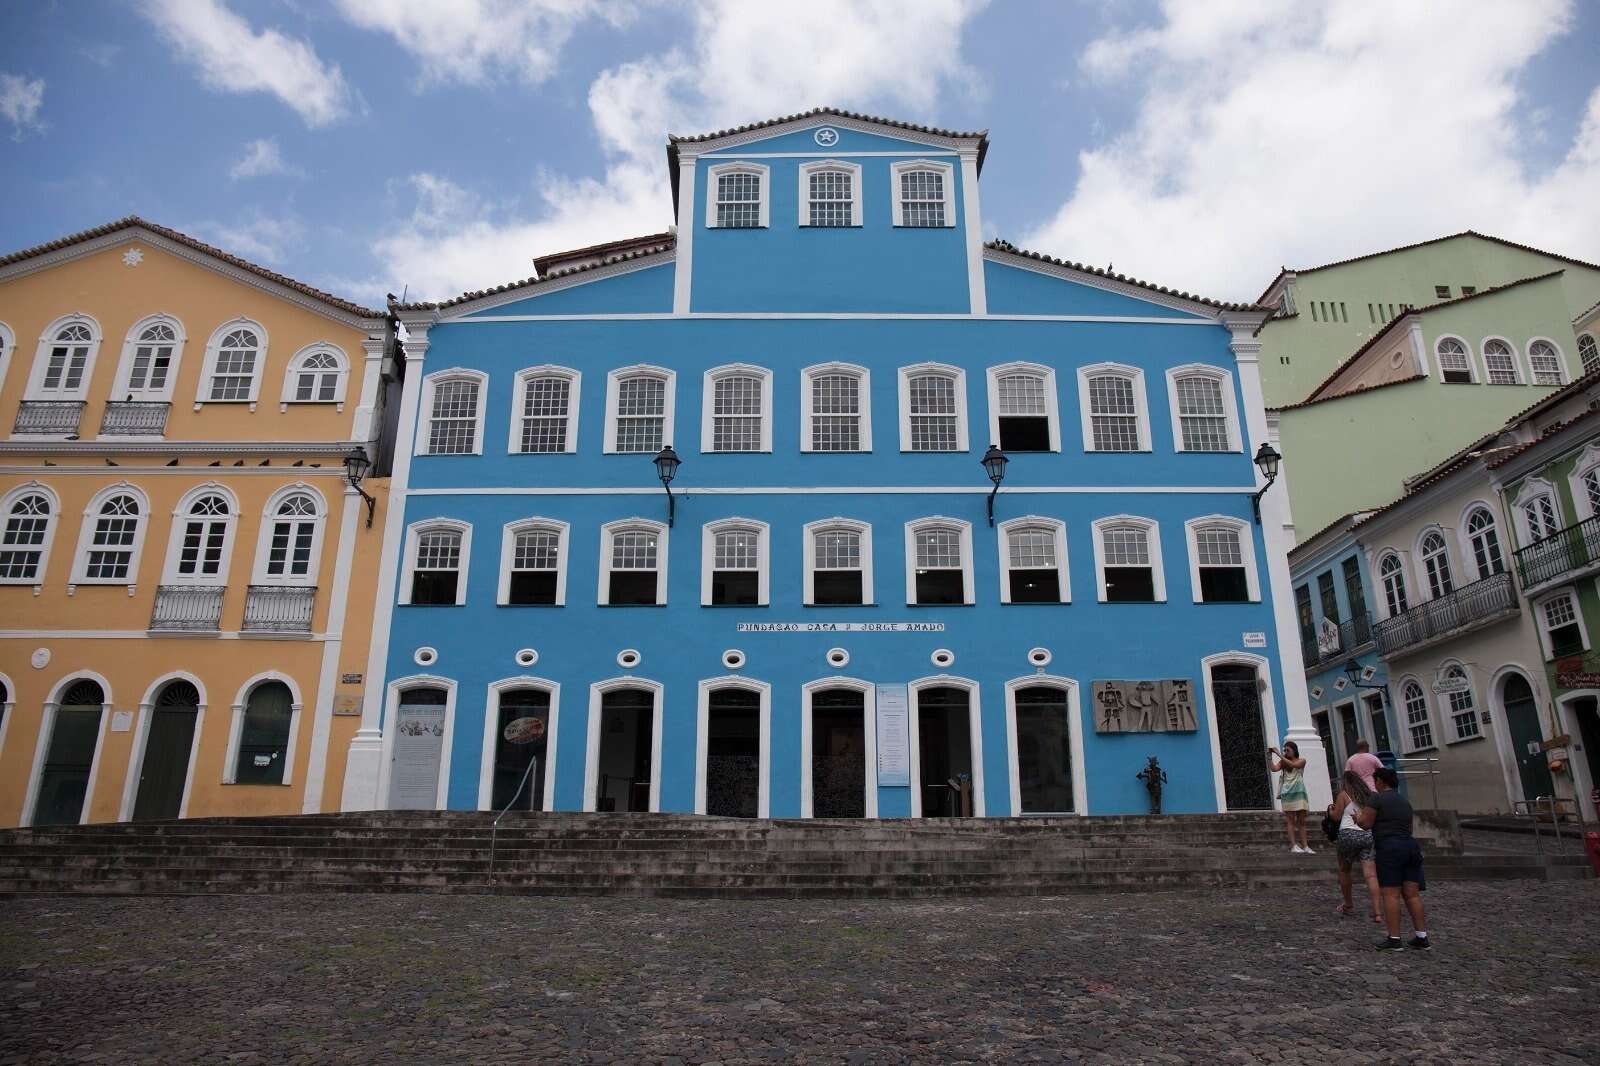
[(1241, 737), (944, 751), (1044, 750), (264, 735), (1522, 722), (418, 747), (733, 752), (69, 755), (625, 757), (838, 753), (514, 786), (164, 770)]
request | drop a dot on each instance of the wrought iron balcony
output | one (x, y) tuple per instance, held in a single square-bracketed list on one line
[(1468, 607), (187, 608), (279, 608), (48, 417), (134, 418), (1354, 636), (1562, 555)]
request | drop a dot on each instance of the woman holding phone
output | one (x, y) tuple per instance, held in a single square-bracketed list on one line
[(1292, 793)]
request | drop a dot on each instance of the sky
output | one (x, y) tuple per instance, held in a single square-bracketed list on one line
[(429, 147)]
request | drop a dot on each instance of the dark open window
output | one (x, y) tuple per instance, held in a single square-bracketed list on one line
[(1035, 586), (736, 573), (438, 567), (631, 588), (532, 587), (1130, 584), (535, 559), (939, 577), (634, 574), (1224, 584), (1024, 433), (836, 588)]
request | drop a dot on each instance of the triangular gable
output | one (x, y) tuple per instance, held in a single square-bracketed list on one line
[(1022, 282), (637, 287)]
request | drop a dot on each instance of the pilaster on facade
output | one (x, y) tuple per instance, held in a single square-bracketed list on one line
[(683, 268), (366, 424), (973, 216)]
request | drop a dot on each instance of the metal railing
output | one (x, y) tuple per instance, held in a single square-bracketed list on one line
[(187, 608), (1426, 766), (1354, 636), (1466, 606), (279, 608), (1555, 808), (1560, 554), (134, 418), (48, 416)]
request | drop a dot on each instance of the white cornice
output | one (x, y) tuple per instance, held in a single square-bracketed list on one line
[(535, 289), (1095, 281), (882, 129), (176, 447)]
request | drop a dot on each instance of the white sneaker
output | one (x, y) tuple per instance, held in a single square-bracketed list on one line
[(1308, 850), (1296, 850)]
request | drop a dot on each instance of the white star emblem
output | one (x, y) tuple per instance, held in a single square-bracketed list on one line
[(825, 136), (132, 257)]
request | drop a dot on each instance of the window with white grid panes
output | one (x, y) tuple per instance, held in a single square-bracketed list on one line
[(1588, 353), (453, 423), (830, 198), (738, 200), (1500, 363), (22, 544), (836, 578), (545, 402), (205, 532), (116, 529), (933, 413), (1219, 556), (1485, 540), (1563, 634), (1591, 489), (1540, 514), (1202, 415), (1463, 710), (318, 378), (835, 413), (736, 413), (294, 533), (1545, 363), (1129, 572), (69, 356), (1023, 412), (1436, 566), (940, 578), (736, 568), (1394, 585), (436, 576), (634, 567), (1113, 413), (1033, 573), (1419, 728), (152, 358), (922, 198), (234, 372), (535, 564), (641, 413), (1455, 366)]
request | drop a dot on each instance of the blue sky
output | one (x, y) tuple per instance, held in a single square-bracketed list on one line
[(370, 145)]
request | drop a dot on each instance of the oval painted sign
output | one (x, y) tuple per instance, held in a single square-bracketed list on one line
[(524, 731)]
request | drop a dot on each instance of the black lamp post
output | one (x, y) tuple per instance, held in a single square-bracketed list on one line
[(994, 464), (1267, 459), (667, 463), (356, 465), (1352, 670)]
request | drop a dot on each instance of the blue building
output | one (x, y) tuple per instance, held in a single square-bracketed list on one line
[(822, 620)]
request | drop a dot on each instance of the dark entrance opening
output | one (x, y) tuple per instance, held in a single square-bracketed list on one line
[(1380, 723), (1325, 731), (627, 724), (514, 787), (1242, 738), (64, 779), (838, 754), (1522, 722), (1349, 730), (944, 740), (733, 753), (1044, 751), (1587, 712), (165, 768)]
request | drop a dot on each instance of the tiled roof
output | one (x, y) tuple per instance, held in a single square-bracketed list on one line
[(1551, 430), (666, 244), (1586, 313), (1347, 395), (1011, 249), (134, 221), (673, 138), (1346, 517), (541, 263)]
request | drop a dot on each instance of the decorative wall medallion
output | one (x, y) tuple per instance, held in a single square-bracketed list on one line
[(733, 658), (942, 658), (1316, 693), (132, 257), (838, 657), (527, 657), (1144, 706), (628, 658), (41, 658), (827, 136), (1368, 673), (1340, 684), (1039, 657), (425, 656)]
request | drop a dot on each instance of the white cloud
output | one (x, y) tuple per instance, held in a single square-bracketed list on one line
[(259, 238), (232, 57), (101, 55), (261, 158), (1300, 134), (768, 60), (20, 102)]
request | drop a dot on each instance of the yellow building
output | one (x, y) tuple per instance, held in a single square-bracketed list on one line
[(186, 572)]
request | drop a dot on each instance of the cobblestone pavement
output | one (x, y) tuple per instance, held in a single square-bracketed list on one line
[(1269, 976)]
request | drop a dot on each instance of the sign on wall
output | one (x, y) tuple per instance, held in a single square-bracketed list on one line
[(894, 735), (1144, 706), (838, 627), (1327, 637), (1255, 640)]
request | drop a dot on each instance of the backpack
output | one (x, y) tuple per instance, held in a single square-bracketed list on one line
[(1330, 827)]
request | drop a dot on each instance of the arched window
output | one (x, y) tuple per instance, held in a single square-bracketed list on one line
[(1589, 353), (938, 562), (835, 415), (316, 375), (149, 360), (838, 563), (1392, 576), (65, 360), (1419, 725), (533, 564), (1022, 408), (1591, 488), (1115, 416), (1455, 366), (1463, 708), (639, 409), (1033, 561), (199, 552), (1485, 541), (1501, 363), (544, 418), (113, 533), (633, 564), (733, 564), (923, 194), (1128, 560), (25, 542), (933, 403), (1436, 565), (1545, 362), (1539, 514), (1222, 561), (293, 528), (737, 196), (235, 365), (1205, 416), (436, 563), (737, 416), (830, 194), (454, 401), (264, 728)]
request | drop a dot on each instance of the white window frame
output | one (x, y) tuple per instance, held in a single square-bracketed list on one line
[(120, 388), (939, 522), (959, 377), (717, 171), (631, 525), (80, 560), (47, 724), (708, 407), (869, 754), (1058, 530), (1052, 402), (1141, 404), (491, 735), (669, 402), (708, 555), (591, 760), (208, 366), (1230, 406), (1517, 368), (905, 166), (1594, 344), (1469, 554), (1474, 372), (809, 558), (435, 525), (1434, 529), (424, 428), (1447, 713), (519, 386), (291, 376), (1588, 462), (180, 520), (1405, 581), (822, 165), (974, 736), (1562, 374), (269, 514), (703, 738), (1247, 552), (41, 360), (508, 550), (1569, 594), (1532, 488), (1153, 540), (8, 347), (1069, 691), (863, 378), (1402, 713), (52, 524)]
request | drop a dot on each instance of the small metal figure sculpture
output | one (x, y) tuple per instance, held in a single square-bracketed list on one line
[(1153, 777)]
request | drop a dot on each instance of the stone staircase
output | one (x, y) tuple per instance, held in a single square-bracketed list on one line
[(682, 855)]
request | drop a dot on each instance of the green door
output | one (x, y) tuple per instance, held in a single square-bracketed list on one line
[(74, 734), (1522, 721), (165, 768)]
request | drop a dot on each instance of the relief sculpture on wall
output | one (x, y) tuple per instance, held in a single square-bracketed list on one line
[(1144, 706)]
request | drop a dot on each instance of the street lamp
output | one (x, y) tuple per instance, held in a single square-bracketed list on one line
[(1352, 670), (994, 464), (1267, 460), (356, 465), (667, 463)]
